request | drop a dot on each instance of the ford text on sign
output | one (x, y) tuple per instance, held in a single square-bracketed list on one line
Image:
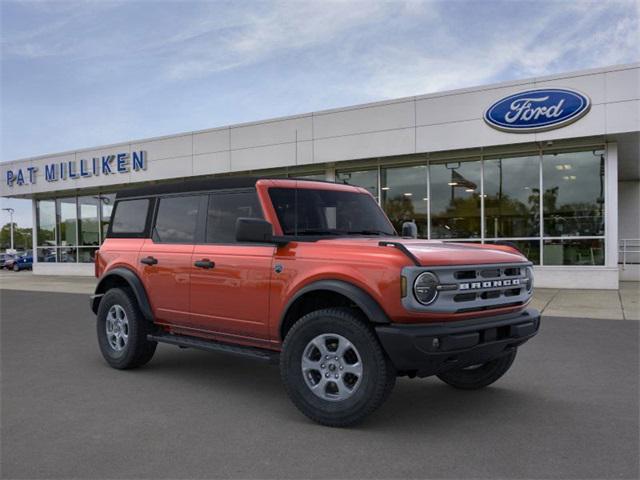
[(537, 110)]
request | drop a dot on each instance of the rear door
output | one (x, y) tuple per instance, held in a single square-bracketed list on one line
[(165, 258), (230, 281)]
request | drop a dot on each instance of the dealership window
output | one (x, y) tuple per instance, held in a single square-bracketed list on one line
[(309, 176), (71, 229), (405, 197), (88, 226), (567, 229), (455, 199), (574, 251), (46, 230), (67, 229), (512, 196), (573, 195), (363, 178)]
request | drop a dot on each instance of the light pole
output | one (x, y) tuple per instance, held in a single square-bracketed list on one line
[(11, 212)]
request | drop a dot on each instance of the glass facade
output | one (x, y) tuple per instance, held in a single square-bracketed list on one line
[(496, 199), (70, 229), (455, 199), (549, 204)]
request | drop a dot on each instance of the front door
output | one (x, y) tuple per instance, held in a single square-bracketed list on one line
[(230, 281), (165, 259)]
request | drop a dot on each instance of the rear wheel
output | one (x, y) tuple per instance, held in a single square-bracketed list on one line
[(479, 376), (122, 331), (334, 369), (16, 268)]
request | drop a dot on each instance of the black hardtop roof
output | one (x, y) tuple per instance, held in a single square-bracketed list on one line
[(198, 185)]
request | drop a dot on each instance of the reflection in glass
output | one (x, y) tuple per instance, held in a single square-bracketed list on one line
[(67, 221), (67, 254), (87, 254), (88, 221), (365, 178), (46, 222), (455, 200), (404, 197), (574, 252), (512, 197), (47, 255), (573, 198)]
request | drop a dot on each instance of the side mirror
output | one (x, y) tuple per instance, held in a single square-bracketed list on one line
[(253, 230), (410, 230)]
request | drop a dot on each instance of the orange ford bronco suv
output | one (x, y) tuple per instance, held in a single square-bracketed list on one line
[(311, 275)]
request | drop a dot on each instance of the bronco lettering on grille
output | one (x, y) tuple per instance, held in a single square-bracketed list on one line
[(489, 284)]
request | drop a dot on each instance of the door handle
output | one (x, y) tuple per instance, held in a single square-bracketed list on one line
[(149, 260), (204, 263)]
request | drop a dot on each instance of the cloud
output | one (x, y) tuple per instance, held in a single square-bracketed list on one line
[(558, 39)]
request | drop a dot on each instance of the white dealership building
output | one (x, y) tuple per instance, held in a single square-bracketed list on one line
[(550, 164)]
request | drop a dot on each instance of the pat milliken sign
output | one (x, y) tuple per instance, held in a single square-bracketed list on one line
[(537, 110), (115, 164)]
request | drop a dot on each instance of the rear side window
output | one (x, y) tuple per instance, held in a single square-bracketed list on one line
[(224, 209), (177, 219), (130, 217)]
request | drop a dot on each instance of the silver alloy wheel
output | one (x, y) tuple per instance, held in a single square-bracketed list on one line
[(332, 367), (117, 327)]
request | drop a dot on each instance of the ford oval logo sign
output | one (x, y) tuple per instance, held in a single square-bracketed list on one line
[(537, 110)]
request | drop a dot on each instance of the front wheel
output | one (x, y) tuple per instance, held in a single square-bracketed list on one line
[(334, 369), (122, 331), (479, 376), (16, 268)]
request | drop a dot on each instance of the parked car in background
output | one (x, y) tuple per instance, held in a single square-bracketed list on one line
[(23, 262), (6, 258)]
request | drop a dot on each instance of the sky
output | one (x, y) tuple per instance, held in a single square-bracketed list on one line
[(86, 73)]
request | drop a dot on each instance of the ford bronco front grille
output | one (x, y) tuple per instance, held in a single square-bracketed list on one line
[(473, 287)]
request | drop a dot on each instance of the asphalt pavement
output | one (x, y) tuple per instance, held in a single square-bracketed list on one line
[(568, 408)]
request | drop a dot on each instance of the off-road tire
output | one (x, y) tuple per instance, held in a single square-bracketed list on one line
[(378, 376), (138, 350), (480, 377)]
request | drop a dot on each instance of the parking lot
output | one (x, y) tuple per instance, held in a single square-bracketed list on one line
[(567, 409)]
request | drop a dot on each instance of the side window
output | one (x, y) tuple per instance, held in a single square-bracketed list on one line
[(225, 209), (176, 219), (130, 216)]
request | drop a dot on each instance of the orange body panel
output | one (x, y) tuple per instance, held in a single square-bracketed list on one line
[(243, 300)]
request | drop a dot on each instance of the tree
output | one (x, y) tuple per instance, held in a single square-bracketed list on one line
[(22, 237)]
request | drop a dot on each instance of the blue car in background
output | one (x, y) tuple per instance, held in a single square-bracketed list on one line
[(23, 262)]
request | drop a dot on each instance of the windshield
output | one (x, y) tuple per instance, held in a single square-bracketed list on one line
[(328, 212)]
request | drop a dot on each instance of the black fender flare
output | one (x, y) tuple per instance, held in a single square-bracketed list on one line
[(357, 295), (134, 283)]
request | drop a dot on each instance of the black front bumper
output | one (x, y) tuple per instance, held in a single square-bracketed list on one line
[(429, 349)]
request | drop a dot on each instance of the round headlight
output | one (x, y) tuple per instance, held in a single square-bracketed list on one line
[(425, 288), (529, 274)]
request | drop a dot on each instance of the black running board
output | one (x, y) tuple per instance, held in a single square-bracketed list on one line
[(260, 354)]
